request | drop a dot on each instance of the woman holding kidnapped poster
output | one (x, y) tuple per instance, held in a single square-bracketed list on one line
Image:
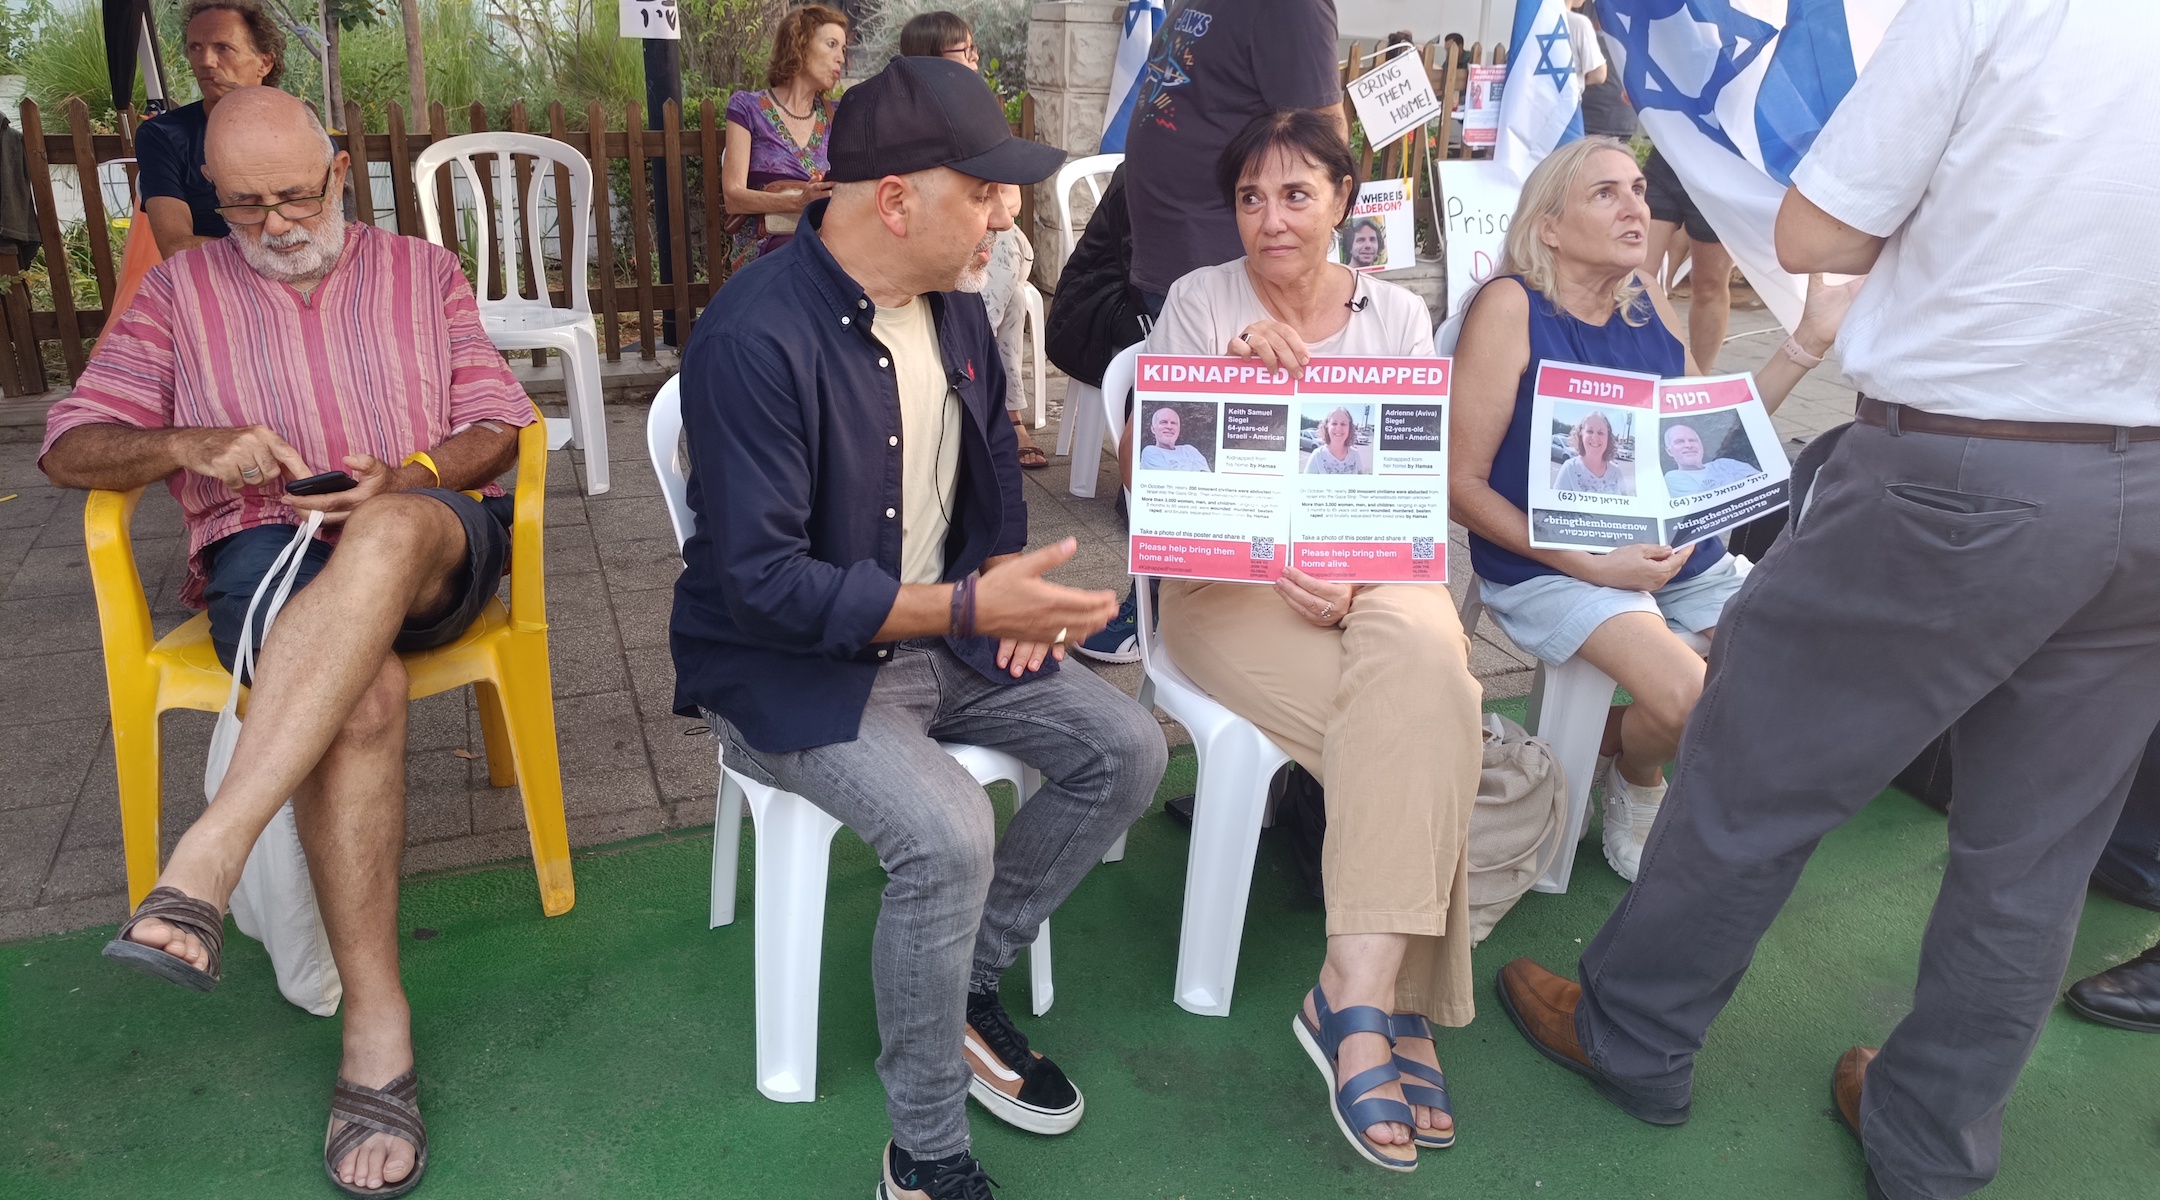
[(1368, 688), (1570, 289)]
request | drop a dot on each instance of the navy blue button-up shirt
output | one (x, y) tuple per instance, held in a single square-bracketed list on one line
[(795, 454)]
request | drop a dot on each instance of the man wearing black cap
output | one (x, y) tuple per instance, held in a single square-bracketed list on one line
[(857, 591)]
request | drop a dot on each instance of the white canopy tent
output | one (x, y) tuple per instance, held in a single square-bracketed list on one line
[(1481, 21)]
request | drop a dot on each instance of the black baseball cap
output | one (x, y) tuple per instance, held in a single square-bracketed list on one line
[(920, 113)]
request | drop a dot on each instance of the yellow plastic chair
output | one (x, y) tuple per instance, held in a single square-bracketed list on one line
[(504, 656)]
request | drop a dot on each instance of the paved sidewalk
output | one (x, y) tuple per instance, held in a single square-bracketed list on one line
[(630, 767)]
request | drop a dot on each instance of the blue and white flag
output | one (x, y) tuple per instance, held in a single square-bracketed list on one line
[(1142, 19), (1733, 92), (1541, 102)]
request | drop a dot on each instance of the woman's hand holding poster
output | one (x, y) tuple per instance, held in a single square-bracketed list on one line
[(1618, 458), (1339, 469)]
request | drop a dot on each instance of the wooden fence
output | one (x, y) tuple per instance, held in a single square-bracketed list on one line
[(629, 300)]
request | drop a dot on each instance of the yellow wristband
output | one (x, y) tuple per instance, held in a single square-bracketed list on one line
[(421, 457)]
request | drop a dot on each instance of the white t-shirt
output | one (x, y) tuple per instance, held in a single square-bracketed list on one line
[(1210, 306), (1582, 35), (929, 437), (2006, 149)]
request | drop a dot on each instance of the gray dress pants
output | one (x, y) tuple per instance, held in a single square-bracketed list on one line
[(2011, 588), (960, 904)]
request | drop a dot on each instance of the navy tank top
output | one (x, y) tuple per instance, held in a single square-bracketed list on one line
[(1557, 336)]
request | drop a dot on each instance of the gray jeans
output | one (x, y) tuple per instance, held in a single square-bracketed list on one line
[(2010, 588), (959, 904)]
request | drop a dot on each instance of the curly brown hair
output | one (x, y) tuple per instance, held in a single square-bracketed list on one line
[(791, 41), (268, 38)]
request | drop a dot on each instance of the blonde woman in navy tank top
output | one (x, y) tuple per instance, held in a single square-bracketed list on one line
[(1570, 289)]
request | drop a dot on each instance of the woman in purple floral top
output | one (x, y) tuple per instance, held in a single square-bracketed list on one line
[(775, 161)]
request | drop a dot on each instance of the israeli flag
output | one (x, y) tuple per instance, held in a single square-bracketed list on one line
[(1142, 19), (1541, 101), (1733, 92)]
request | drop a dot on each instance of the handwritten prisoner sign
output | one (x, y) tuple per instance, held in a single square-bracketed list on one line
[(1393, 99), (659, 19)]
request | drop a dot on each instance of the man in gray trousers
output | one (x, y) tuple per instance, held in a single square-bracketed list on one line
[(1981, 548)]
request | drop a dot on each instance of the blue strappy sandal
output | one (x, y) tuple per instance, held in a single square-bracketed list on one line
[(1422, 1084), (1354, 1116)]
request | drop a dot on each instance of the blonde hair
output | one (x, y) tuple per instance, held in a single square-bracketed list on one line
[(1545, 199), (1574, 436)]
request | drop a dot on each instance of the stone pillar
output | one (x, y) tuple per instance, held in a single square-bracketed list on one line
[(1072, 45)]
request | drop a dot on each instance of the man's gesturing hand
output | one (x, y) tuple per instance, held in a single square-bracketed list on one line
[(252, 456), (1027, 613)]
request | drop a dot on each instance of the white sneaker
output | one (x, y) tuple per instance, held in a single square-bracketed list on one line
[(1630, 810)]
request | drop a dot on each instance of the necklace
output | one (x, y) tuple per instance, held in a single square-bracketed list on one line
[(804, 116)]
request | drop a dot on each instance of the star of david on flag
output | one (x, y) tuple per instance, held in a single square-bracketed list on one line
[(1733, 92), (1541, 103)]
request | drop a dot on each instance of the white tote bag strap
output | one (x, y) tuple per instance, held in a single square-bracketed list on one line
[(288, 561)]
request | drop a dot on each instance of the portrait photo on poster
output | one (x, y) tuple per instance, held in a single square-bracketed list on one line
[(1335, 439), (1364, 243), (1592, 449), (1180, 436), (1702, 452)]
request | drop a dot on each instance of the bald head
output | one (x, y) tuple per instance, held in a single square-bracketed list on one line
[(256, 128)]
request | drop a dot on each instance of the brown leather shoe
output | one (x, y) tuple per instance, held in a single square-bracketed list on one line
[(1542, 1006), (1846, 1081)]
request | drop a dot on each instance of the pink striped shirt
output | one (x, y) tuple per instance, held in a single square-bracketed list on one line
[(386, 357)]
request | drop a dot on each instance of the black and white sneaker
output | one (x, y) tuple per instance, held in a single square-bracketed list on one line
[(1017, 1085), (959, 1177)]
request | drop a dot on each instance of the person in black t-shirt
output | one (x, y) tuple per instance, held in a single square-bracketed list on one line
[(1215, 65), (230, 44)]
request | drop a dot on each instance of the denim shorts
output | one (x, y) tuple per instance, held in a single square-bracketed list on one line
[(1551, 616), (234, 567)]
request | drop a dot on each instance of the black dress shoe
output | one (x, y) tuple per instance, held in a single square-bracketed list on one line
[(2134, 892), (2127, 996)]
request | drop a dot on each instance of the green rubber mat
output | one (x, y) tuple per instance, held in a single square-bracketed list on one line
[(608, 1052)]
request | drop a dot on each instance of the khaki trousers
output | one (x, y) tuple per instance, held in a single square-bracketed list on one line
[(1384, 712)]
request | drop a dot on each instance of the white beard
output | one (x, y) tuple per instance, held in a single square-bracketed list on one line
[(974, 277), (301, 254)]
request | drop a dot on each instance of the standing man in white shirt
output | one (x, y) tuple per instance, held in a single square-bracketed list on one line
[(1982, 548)]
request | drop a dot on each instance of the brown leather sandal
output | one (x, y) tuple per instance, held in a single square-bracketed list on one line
[(173, 907), (393, 1108)]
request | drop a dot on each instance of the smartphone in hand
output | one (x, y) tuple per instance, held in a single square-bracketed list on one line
[(325, 484)]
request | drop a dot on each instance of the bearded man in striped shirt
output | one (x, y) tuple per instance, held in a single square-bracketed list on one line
[(301, 344)]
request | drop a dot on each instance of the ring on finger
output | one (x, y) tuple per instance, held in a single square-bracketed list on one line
[(1059, 640), (250, 473)]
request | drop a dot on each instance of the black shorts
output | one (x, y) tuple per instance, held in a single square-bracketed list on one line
[(235, 566), (1669, 201)]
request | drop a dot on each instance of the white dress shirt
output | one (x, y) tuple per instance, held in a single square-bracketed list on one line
[(2010, 151)]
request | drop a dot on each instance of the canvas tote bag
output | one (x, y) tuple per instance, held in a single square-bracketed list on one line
[(275, 902), (1519, 823)]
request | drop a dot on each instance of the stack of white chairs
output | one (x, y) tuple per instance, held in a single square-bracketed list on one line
[(1082, 426), (521, 321)]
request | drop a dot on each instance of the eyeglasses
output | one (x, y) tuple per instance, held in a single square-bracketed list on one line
[(967, 54), (299, 208)]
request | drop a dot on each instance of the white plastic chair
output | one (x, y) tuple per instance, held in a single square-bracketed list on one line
[(794, 848), (1081, 425), (532, 322), (1093, 171), (1236, 764), (1039, 398), (1569, 705)]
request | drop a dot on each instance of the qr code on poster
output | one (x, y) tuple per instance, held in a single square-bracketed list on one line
[(1263, 549), (1421, 549)]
